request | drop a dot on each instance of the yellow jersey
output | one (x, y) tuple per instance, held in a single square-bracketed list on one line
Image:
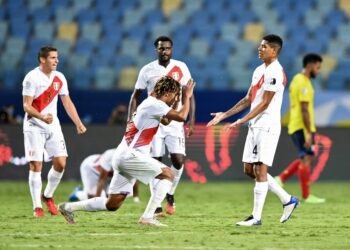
[(300, 90)]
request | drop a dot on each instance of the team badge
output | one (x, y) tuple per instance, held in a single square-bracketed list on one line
[(175, 76), (273, 81), (56, 86)]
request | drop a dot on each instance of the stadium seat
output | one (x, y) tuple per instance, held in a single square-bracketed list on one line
[(199, 48), (86, 16), (104, 78), (193, 5), (68, 31), (253, 32), (64, 15), (329, 63), (85, 47), (336, 81), (130, 47), (82, 78), (230, 32), (344, 5), (169, 6), (36, 4), (178, 18), (81, 5), (44, 30), (160, 29), (64, 47), (127, 78), (3, 31), (313, 18), (76, 62), (91, 32), (337, 48)]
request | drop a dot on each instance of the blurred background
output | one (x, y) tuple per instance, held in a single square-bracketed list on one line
[(104, 43)]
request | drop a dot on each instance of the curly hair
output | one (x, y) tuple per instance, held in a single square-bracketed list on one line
[(166, 84)]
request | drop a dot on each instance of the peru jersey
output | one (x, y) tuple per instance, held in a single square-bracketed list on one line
[(270, 78), (45, 93), (97, 162), (144, 125), (152, 72)]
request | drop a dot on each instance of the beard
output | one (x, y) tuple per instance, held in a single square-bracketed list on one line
[(312, 75)]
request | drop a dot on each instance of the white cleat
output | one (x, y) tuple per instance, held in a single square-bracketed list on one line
[(151, 222), (249, 222), (288, 209), (69, 216)]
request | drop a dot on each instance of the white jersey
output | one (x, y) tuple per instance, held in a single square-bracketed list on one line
[(152, 72), (44, 91), (97, 162), (143, 126), (270, 78)]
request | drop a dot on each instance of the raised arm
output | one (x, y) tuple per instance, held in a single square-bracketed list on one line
[(72, 113), (182, 114), (238, 107), (134, 102)]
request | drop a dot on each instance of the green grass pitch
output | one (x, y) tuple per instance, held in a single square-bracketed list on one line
[(204, 219)]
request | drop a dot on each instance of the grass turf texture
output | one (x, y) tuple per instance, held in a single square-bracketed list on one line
[(204, 219)]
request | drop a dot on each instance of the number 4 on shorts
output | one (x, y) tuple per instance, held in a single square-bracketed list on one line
[(255, 150)]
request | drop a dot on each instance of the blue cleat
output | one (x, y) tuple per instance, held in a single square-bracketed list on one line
[(73, 197), (288, 209)]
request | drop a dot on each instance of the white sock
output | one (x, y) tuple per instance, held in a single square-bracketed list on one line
[(153, 185), (35, 185), (81, 195), (91, 205), (278, 190), (53, 179), (177, 177), (157, 197), (260, 192)]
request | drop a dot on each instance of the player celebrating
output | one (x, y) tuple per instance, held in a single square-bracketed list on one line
[(301, 126), (265, 99), (171, 136), (131, 159), (42, 129)]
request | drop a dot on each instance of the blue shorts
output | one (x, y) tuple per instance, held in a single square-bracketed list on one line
[(299, 140)]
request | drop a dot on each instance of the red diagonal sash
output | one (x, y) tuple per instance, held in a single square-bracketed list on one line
[(48, 95)]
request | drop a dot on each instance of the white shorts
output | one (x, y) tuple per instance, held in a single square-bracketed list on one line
[(261, 145), (135, 165), (36, 143), (88, 176), (174, 145), (121, 185)]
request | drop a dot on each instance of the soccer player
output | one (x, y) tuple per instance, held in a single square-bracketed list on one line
[(95, 170), (171, 136), (42, 129), (264, 98), (131, 160), (301, 126)]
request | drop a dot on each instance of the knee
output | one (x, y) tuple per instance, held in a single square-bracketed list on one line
[(114, 203), (249, 172), (177, 161), (168, 174)]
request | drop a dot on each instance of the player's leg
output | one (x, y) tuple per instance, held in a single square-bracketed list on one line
[(288, 172), (119, 188), (177, 150), (55, 147), (157, 152), (34, 151)]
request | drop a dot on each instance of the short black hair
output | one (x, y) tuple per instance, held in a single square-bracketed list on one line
[(311, 58), (275, 41), (44, 51), (163, 39)]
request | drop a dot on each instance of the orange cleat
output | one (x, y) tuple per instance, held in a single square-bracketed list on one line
[(50, 203), (39, 212)]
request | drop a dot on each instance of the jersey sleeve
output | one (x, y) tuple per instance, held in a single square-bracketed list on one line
[(273, 80), (106, 160), (64, 89), (304, 91), (161, 109), (141, 82), (187, 75), (28, 86)]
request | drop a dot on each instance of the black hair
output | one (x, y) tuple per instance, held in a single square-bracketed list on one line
[(44, 51), (162, 39), (166, 84), (274, 41), (311, 58)]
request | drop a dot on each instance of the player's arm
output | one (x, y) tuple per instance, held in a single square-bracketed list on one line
[(192, 114), (266, 100), (306, 119), (182, 114), (72, 113), (31, 111), (238, 107), (101, 182), (134, 102)]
